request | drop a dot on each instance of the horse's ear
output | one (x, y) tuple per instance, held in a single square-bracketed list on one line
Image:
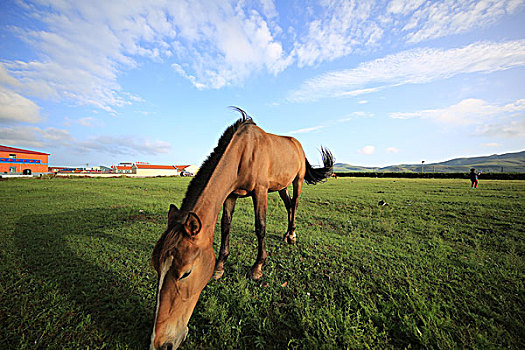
[(172, 214), (193, 224)]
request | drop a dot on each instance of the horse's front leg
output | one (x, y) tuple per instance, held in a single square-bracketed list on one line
[(260, 198), (226, 220)]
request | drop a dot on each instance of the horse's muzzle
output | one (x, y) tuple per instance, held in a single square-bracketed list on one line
[(174, 343)]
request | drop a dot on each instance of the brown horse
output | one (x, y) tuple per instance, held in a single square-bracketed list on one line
[(246, 162)]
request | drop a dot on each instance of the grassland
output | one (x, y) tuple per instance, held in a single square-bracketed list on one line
[(441, 266)]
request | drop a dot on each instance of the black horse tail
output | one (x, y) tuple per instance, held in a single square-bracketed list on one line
[(316, 175)]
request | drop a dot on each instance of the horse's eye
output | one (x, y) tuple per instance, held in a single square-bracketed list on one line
[(184, 275)]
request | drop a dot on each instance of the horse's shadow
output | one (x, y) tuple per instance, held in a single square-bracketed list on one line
[(61, 250)]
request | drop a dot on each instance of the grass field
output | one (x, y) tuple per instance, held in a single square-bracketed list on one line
[(441, 266)]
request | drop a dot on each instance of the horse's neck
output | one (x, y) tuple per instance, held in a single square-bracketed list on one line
[(220, 185)]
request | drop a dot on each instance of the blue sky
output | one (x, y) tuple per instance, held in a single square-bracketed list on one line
[(377, 82)]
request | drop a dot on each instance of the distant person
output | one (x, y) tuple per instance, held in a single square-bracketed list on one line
[(474, 178)]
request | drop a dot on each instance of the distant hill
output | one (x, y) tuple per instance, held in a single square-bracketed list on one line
[(510, 162), (348, 167)]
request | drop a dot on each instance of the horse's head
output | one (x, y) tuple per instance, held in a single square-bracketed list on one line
[(184, 263)]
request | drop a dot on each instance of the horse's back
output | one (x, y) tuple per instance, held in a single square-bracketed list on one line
[(269, 160)]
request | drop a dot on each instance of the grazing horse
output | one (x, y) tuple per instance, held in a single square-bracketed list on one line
[(246, 162)]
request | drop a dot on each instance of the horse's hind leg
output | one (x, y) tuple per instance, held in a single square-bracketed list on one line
[(260, 199), (288, 204), (226, 220), (290, 236)]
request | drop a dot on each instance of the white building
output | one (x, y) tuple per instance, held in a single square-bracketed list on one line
[(154, 170), (189, 168)]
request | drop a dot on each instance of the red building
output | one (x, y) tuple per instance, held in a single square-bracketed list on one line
[(17, 160)]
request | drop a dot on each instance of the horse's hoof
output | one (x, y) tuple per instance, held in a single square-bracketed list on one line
[(291, 239), (255, 274), (218, 274)]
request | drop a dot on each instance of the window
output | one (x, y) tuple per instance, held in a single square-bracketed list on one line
[(12, 169), (12, 156)]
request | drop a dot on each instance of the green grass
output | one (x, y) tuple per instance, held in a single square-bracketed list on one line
[(441, 266)]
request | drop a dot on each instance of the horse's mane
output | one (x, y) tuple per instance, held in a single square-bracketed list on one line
[(198, 183), (168, 241)]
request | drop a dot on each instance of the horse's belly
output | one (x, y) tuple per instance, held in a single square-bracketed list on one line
[(278, 185), (240, 193)]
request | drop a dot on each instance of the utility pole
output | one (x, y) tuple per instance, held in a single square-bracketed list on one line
[(422, 170)]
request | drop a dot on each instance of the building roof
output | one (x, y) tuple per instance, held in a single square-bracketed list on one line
[(20, 150), (181, 167), (151, 166)]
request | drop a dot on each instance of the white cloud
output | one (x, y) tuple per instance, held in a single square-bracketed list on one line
[(355, 115), (178, 68), (32, 136), (404, 115), (516, 106), (368, 150), (466, 112), (415, 66), (123, 145), (6, 79), (435, 19), (341, 28), (392, 150), (492, 144), (230, 43), (331, 123), (503, 129), (490, 120), (403, 7), (358, 92), (84, 46), (268, 8), (16, 108), (307, 130), (18, 136), (86, 121)]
